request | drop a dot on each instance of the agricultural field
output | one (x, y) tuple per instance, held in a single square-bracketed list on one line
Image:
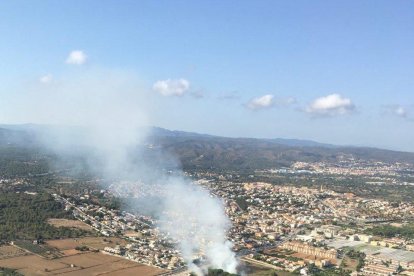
[(73, 262), (69, 223), (39, 249), (93, 243), (91, 263), (10, 251)]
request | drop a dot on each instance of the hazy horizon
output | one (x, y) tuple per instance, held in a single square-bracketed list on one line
[(216, 135), (337, 73)]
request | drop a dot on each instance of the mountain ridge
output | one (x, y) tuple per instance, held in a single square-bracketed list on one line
[(203, 151)]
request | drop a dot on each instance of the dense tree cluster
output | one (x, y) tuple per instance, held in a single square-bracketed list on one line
[(8, 272), (389, 231), (22, 162), (332, 271), (24, 216), (219, 272), (216, 272)]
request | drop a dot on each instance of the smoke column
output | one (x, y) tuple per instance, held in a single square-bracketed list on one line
[(112, 106), (198, 221)]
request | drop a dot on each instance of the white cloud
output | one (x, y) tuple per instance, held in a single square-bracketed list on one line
[(76, 57), (400, 111), (268, 101), (46, 79), (171, 87), (262, 102), (330, 105)]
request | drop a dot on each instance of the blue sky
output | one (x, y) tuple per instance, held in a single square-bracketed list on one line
[(333, 71)]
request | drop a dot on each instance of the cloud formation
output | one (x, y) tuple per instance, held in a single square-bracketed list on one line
[(171, 87), (268, 101), (330, 105), (401, 111), (46, 79), (76, 57), (262, 102)]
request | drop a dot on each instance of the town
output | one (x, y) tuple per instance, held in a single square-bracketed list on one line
[(280, 227)]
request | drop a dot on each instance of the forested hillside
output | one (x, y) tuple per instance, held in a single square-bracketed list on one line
[(21, 151)]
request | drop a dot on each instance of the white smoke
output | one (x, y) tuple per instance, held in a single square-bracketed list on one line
[(113, 106), (198, 221)]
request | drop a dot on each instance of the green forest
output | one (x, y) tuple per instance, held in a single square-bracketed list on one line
[(389, 231), (24, 216)]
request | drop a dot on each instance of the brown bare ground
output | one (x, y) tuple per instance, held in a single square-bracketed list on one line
[(10, 251), (92, 242), (63, 244), (100, 242), (350, 264), (70, 252), (91, 263), (32, 265), (71, 223)]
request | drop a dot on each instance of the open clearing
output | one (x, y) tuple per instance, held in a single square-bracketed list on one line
[(91, 263), (252, 269), (74, 262), (70, 223), (349, 264), (10, 251), (98, 243)]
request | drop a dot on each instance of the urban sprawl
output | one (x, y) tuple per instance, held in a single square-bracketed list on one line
[(280, 227)]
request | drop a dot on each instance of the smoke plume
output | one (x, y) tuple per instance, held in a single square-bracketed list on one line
[(113, 108), (198, 221)]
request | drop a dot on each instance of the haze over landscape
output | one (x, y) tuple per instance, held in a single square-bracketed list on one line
[(216, 138), (337, 73)]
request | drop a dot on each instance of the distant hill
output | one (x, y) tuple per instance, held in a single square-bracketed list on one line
[(162, 132), (202, 151), (302, 143), (15, 137), (207, 151)]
